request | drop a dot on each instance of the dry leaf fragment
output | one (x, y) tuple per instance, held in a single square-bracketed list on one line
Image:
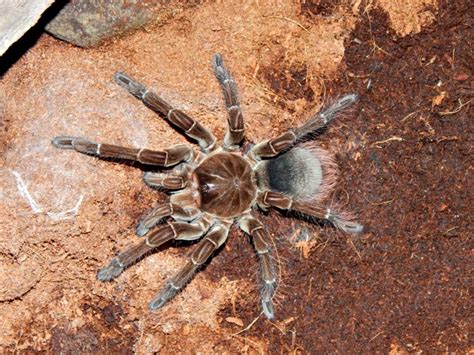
[(235, 320), (436, 101), (461, 77)]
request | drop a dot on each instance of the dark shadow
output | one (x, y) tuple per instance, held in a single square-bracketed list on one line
[(30, 38)]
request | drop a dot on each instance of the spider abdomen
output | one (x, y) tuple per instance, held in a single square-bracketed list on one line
[(226, 185), (304, 173)]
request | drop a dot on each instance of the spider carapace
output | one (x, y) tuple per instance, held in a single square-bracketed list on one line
[(219, 186), (225, 177)]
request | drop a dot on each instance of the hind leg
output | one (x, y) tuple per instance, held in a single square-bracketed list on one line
[(203, 251), (280, 201), (260, 238)]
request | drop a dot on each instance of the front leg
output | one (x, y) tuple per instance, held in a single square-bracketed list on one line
[(283, 142), (178, 118), (167, 181), (166, 157), (235, 132)]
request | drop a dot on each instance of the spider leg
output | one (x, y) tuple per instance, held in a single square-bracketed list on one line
[(326, 115), (259, 234), (155, 238), (235, 132), (277, 145), (278, 200), (166, 157), (163, 210), (203, 251), (190, 126)]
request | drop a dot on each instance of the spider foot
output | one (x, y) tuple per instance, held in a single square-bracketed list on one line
[(267, 304), (164, 296), (79, 144), (63, 142), (344, 102), (111, 271), (133, 87), (219, 69), (268, 309), (344, 224)]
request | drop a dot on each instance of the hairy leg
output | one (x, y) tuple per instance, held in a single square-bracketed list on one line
[(278, 200), (203, 251), (326, 115), (188, 125), (157, 237), (235, 132), (259, 234), (168, 181), (166, 157), (163, 210), (275, 146)]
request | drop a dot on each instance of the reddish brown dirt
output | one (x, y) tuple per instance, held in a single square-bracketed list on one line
[(405, 157), (408, 286)]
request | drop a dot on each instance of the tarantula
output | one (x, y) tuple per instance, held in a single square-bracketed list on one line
[(219, 186)]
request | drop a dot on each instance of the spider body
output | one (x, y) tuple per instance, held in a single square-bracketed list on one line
[(220, 186), (225, 177)]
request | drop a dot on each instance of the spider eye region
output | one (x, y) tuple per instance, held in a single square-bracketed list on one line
[(236, 182), (226, 185)]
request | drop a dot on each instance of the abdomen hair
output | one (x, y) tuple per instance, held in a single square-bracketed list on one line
[(304, 173)]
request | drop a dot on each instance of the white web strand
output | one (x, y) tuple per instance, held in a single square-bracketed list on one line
[(36, 208), (71, 213), (23, 190)]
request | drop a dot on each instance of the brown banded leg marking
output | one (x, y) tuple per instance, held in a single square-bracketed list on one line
[(190, 126), (333, 217), (166, 157), (157, 237), (268, 274), (274, 199), (275, 146), (203, 251), (235, 132)]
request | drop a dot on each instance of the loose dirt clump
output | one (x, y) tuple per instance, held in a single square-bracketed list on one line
[(409, 17)]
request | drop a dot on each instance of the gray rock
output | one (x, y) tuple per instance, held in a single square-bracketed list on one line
[(86, 23)]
